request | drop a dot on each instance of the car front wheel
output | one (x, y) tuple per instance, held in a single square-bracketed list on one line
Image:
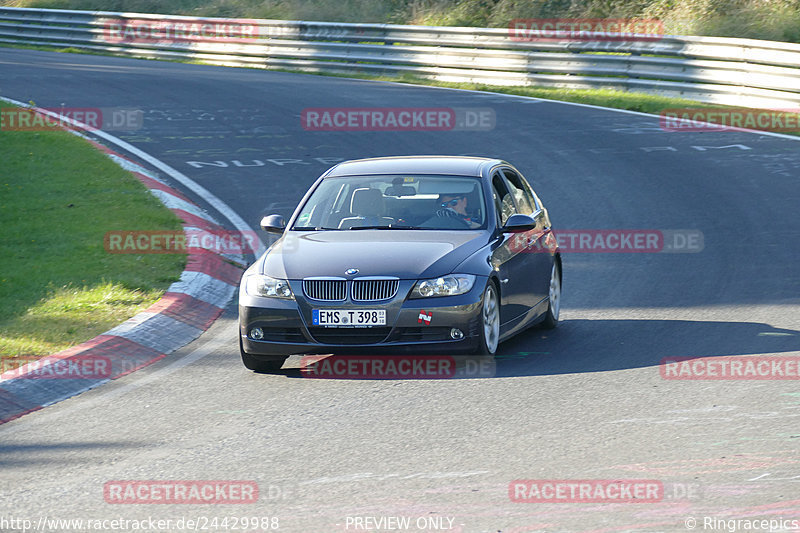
[(261, 365), (490, 321), (553, 298)]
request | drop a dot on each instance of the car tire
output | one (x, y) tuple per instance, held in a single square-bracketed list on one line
[(261, 365), (553, 298), (489, 331)]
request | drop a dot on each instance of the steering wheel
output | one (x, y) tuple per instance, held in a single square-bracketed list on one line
[(463, 222), (452, 219)]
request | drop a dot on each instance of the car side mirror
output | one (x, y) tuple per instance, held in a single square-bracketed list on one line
[(273, 224), (519, 223)]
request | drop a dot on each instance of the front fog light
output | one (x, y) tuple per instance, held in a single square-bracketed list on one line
[(456, 334), (257, 334)]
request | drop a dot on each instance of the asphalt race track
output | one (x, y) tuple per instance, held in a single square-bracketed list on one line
[(585, 402)]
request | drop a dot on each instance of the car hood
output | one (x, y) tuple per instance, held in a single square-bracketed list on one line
[(407, 254)]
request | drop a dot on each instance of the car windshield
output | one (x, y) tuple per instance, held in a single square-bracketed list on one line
[(394, 202)]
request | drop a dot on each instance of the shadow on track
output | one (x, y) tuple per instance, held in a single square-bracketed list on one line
[(601, 345), (579, 346), (22, 455)]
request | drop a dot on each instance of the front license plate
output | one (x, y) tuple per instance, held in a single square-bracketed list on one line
[(348, 317)]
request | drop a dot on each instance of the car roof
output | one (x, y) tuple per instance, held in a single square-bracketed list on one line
[(425, 164)]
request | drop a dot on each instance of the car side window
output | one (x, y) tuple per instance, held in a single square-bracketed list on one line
[(525, 202), (503, 201)]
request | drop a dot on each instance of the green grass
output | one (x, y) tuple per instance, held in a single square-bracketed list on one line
[(58, 285)]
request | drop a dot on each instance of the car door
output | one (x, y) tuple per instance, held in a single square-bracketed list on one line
[(537, 260), (508, 258)]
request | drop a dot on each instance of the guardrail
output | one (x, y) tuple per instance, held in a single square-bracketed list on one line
[(742, 72)]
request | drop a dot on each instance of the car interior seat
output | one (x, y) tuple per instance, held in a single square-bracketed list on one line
[(366, 205)]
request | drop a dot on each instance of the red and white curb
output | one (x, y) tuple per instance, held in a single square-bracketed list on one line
[(186, 310)]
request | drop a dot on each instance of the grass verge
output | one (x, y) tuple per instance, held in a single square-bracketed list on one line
[(58, 285)]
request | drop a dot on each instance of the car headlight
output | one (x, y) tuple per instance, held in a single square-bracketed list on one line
[(450, 285), (260, 285)]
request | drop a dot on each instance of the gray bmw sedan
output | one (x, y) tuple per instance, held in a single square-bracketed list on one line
[(416, 255)]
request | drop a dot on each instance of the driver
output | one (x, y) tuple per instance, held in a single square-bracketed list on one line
[(455, 205)]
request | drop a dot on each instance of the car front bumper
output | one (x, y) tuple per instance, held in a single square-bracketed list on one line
[(413, 326)]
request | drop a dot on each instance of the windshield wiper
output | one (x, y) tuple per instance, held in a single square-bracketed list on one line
[(386, 227), (311, 228)]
